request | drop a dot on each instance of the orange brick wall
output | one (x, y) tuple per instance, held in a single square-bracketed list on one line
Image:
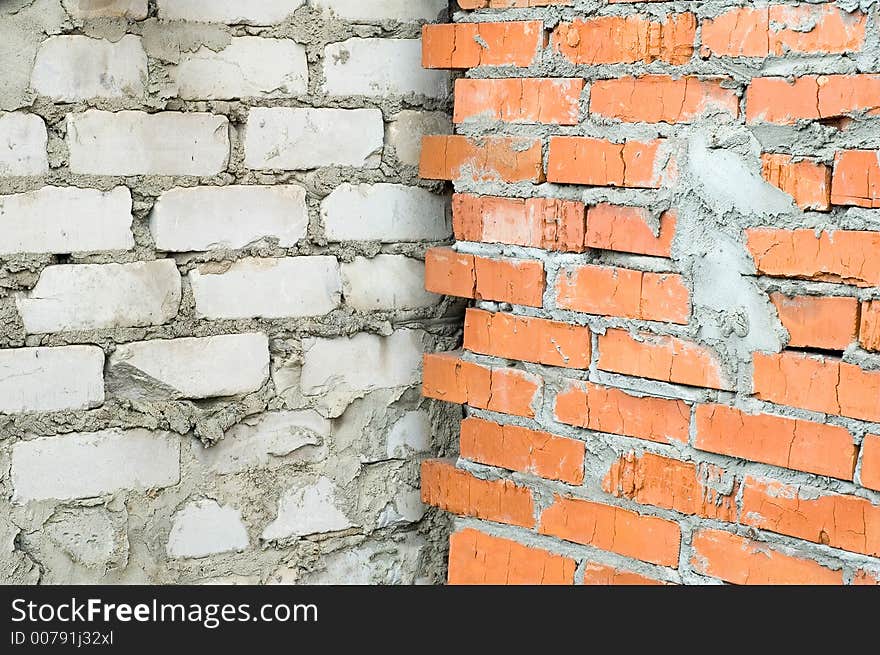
[(664, 222)]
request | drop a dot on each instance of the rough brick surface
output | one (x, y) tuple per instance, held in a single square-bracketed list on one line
[(665, 235), (212, 244)]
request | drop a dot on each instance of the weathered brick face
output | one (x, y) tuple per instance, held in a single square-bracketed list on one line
[(212, 244), (664, 223)]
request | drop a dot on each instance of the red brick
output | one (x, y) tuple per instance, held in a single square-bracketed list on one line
[(825, 322), (869, 325), (865, 578), (505, 159), (626, 39), (446, 376), (611, 291), (628, 229), (840, 521), (596, 162), (468, 45), (807, 181), (840, 256), (778, 440), (601, 574), (811, 97), (822, 384), (458, 492), (668, 483), (615, 529), (747, 32), (742, 561), (870, 474), (520, 449), (476, 558), (519, 100), (504, 4), (517, 281), (527, 339), (545, 223), (856, 178), (661, 99), (605, 409), (450, 273), (660, 358)]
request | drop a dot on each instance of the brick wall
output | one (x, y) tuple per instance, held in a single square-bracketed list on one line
[(212, 312), (664, 216)]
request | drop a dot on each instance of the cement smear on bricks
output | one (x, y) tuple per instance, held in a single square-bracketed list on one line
[(246, 460)]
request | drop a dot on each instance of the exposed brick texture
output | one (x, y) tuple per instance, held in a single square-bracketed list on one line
[(212, 244), (665, 235)]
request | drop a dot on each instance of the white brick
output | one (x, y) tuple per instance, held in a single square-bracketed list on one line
[(206, 218), (248, 67), (51, 379), (82, 465), (66, 219), (206, 528), (95, 296), (386, 213), (197, 367), (252, 12), (268, 288), (380, 67), (300, 139), (404, 506), (406, 129), (307, 510), (340, 370), (295, 436), (134, 9), (70, 68), (137, 143), (385, 282), (402, 10), (410, 434), (23, 140)]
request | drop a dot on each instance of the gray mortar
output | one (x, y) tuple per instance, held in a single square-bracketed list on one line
[(120, 538), (718, 193)]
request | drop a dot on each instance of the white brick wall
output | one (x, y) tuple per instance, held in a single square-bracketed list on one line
[(205, 528), (206, 218), (137, 143), (88, 465), (268, 288), (65, 219), (70, 68), (380, 67), (224, 365), (249, 66), (384, 212), (385, 282), (298, 139), (95, 296), (23, 140), (134, 9), (384, 9), (51, 379), (209, 213), (252, 12)]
